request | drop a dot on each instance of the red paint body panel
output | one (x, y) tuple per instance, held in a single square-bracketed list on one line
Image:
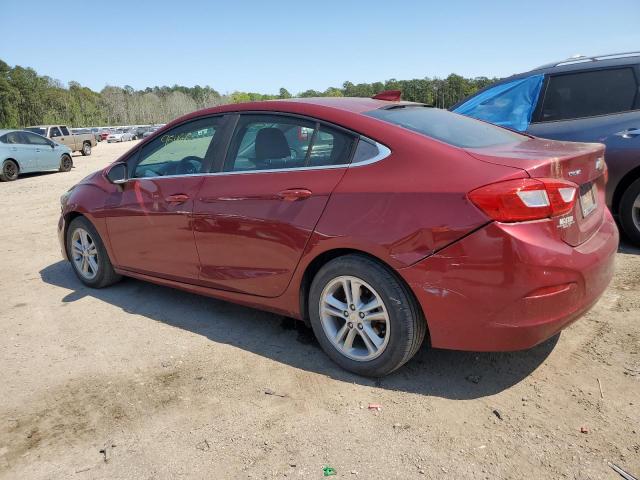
[(482, 285), (480, 294), (250, 238), (150, 234)]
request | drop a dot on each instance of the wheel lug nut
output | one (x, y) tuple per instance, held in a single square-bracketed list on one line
[(360, 327), (346, 313), (350, 325), (361, 314), (352, 307)]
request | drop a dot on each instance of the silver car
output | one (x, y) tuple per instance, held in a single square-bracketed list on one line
[(24, 152)]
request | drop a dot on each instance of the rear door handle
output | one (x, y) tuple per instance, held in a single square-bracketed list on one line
[(629, 133), (177, 198), (293, 194)]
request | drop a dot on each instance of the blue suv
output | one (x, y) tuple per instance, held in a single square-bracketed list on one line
[(582, 99)]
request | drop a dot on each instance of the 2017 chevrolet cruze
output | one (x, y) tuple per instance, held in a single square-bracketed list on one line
[(379, 222)]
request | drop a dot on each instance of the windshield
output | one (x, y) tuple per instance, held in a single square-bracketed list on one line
[(456, 130), (38, 130)]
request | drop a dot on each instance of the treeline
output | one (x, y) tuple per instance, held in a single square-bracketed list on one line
[(27, 98)]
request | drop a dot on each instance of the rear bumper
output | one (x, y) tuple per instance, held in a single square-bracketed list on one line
[(511, 286)]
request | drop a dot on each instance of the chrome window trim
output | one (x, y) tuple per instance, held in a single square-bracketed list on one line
[(383, 152)]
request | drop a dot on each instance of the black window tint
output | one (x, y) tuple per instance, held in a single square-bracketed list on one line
[(364, 151), (13, 138), (65, 130), (55, 132), (330, 147), (180, 151), (34, 139), (587, 94), (448, 127)]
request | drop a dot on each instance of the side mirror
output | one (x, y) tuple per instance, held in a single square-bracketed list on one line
[(117, 174)]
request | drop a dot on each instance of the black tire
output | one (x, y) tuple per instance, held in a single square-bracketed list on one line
[(407, 325), (105, 275), (86, 149), (66, 163), (630, 216), (10, 171)]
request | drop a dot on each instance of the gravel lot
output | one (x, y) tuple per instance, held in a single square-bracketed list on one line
[(140, 381)]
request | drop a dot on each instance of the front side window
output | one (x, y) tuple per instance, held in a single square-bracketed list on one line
[(456, 130), (273, 142), (180, 151), (587, 94), (33, 139), (65, 130), (509, 104), (54, 132)]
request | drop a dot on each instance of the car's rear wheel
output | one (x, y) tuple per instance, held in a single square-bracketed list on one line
[(88, 256), (630, 212), (9, 171), (66, 163), (364, 317), (86, 149)]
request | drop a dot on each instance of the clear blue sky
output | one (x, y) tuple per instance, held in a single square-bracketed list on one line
[(264, 45)]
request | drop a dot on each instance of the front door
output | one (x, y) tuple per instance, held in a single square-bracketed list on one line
[(150, 223), (253, 219), (47, 157)]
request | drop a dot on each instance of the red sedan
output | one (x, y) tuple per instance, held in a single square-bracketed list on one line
[(378, 222)]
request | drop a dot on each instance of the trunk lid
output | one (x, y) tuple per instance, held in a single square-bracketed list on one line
[(580, 163)]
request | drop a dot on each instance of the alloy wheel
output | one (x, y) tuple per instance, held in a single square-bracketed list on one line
[(84, 253), (354, 318), (10, 170)]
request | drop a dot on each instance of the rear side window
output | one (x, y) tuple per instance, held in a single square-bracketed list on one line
[(274, 142), (12, 138), (587, 94), (456, 130)]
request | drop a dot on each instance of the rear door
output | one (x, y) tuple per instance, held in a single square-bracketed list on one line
[(150, 220), (253, 219), (595, 106)]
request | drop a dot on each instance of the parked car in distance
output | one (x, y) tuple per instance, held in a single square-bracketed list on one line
[(96, 133), (104, 133), (62, 134), (380, 223), (581, 99), (26, 152), (119, 135), (86, 131), (150, 132)]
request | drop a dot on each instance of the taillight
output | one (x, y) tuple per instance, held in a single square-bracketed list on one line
[(525, 199)]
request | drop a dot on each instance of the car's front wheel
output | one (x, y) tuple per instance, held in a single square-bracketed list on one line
[(9, 171), (630, 212), (365, 319), (65, 163), (88, 256)]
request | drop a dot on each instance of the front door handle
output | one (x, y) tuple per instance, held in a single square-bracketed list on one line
[(177, 198), (629, 133), (293, 194)]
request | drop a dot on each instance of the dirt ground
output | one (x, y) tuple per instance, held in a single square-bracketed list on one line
[(143, 382)]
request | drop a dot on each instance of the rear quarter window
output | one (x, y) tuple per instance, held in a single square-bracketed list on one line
[(451, 128)]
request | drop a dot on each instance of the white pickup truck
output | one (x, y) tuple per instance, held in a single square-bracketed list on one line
[(62, 134)]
